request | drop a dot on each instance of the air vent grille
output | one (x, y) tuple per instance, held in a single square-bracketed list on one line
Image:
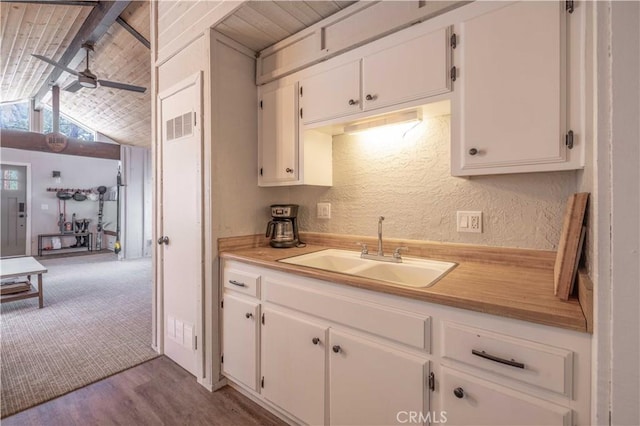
[(179, 126)]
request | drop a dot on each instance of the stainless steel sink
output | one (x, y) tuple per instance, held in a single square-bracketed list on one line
[(412, 272)]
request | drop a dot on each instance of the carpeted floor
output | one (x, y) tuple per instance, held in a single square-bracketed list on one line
[(96, 321)]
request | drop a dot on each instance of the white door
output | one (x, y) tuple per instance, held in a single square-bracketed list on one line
[(293, 365), (240, 322), (181, 229), (14, 210), (374, 384)]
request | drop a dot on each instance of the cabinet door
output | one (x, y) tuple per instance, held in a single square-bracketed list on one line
[(278, 135), (509, 109), (293, 365), (373, 384), (415, 69), (330, 94), (240, 340), (470, 400)]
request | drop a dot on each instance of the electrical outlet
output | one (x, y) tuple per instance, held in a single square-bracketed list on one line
[(469, 221), (324, 210)]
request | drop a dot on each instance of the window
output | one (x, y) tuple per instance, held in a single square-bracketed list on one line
[(14, 115), (68, 127), (10, 180)]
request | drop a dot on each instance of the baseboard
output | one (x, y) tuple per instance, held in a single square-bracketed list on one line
[(265, 404)]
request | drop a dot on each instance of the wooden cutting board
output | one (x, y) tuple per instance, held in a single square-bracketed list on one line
[(569, 248)]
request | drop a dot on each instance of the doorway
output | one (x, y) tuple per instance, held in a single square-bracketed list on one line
[(15, 195)]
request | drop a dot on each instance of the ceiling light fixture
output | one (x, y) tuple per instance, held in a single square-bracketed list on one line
[(405, 119)]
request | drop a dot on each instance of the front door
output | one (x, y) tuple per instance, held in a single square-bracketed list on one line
[(181, 227), (14, 210)]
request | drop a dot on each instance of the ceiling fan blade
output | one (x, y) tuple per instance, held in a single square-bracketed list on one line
[(73, 87), (123, 86), (55, 64)]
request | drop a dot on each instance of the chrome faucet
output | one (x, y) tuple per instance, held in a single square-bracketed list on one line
[(396, 258), (380, 252)]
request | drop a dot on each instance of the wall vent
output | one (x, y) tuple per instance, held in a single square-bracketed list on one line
[(179, 126)]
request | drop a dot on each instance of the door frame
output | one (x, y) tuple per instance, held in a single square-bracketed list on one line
[(27, 245), (158, 255)]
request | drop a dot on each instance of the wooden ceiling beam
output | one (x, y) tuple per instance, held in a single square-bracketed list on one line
[(55, 2), (133, 32), (103, 15)]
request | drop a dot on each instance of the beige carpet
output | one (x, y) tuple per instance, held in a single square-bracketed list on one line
[(96, 321)]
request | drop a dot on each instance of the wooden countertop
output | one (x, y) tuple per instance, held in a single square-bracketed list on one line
[(508, 290)]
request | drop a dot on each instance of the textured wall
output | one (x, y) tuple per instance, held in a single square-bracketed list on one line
[(407, 180)]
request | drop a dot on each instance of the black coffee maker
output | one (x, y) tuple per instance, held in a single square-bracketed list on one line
[(283, 228)]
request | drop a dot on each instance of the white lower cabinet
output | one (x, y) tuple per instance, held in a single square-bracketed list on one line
[(468, 400), (240, 339), (372, 383), (335, 355), (293, 365)]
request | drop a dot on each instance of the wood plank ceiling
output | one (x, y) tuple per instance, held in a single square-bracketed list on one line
[(47, 29)]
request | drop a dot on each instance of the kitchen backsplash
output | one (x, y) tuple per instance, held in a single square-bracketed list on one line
[(407, 180)]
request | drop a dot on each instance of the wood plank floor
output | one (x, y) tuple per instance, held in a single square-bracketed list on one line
[(158, 392)]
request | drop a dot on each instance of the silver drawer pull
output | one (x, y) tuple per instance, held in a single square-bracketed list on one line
[(239, 284), (510, 362)]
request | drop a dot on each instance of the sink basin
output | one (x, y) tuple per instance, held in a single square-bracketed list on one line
[(412, 272)]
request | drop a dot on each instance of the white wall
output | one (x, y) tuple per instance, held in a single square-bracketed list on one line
[(136, 202), (408, 181), (77, 172), (625, 212)]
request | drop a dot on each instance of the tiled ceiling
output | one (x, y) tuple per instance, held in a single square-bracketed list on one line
[(48, 29)]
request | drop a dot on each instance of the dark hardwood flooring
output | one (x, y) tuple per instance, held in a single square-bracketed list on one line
[(158, 392)]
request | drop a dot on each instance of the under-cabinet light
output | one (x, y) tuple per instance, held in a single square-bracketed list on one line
[(406, 119)]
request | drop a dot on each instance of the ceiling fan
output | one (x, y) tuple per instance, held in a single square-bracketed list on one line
[(86, 78)]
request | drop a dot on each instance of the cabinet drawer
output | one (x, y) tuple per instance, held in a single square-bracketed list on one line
[(469, 400), (404, 327), (533, 363), (242, 281)]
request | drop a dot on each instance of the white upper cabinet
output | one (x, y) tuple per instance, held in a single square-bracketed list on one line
[(278, 134), (509, 110), (407, 66), (333, 93), (414, 69), (288, 154)]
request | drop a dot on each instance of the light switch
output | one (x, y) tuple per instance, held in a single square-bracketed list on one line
[(469, 221), (180, 332), (323, 210), (188, 336), (171, 326)]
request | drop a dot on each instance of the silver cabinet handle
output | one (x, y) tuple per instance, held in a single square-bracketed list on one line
[(239, 284), (248, 315), (459, 393), (353, 102), (163, 240), (336, 349), (289, 170), (473, 151), (371, 97), (509, 362), (315, 340)]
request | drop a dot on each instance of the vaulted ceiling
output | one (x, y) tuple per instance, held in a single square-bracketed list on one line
[(49, 28)]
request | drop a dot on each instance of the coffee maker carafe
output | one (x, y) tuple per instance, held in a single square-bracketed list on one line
[(283, 228)]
